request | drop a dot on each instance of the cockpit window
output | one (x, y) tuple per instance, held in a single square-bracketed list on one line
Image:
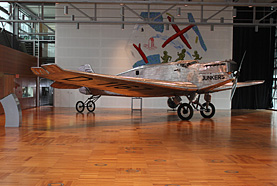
[(186, 65)]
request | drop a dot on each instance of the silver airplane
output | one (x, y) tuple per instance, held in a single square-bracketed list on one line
[(183, 78)]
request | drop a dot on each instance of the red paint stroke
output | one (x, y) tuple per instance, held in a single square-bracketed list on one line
[(150, 45), (178, 33), (176, 28), (141, 53)]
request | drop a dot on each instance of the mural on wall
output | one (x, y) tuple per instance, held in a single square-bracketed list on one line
[(163, 43)]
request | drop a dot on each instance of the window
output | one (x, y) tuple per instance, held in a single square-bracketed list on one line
[(187, 64), (4, 14), (24, 27), (27, 92), (274, 85)]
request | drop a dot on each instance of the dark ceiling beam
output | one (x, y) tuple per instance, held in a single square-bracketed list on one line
[(189, 3), (143, 22)]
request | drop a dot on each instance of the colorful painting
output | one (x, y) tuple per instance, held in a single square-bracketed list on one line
[(152, 44), (159, 18)]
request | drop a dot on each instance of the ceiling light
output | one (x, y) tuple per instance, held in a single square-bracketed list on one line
[(65, 10), (234, 12), (178, 11), (122, 17), (212, 27), (256, 28)]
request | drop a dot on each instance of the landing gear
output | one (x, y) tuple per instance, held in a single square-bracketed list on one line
[(80, 106), (174, 102), (91, 106), (185, 111), (207, 109), (89, 103), (171, 103)]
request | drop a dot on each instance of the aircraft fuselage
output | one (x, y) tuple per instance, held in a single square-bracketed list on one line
[(199, 74)]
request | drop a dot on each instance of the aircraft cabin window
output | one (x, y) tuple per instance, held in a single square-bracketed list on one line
[(137, 72), (187, 64), (183, 65)]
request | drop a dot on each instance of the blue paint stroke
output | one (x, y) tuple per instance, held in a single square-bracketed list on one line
[(189, 54), (157, 27), (152, 59), (137, 27), (196, 30), (175, 43), (186, 36)]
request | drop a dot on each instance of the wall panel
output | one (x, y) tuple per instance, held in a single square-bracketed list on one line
[(15, 73)]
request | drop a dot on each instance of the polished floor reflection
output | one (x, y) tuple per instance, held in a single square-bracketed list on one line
[(152, 148)]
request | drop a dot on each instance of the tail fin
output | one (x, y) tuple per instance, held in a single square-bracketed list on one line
[(86, 68)]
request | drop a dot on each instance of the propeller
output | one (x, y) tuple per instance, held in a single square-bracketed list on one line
[(236, 75)]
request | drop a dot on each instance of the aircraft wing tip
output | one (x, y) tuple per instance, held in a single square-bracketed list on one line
[(39, 71), (52, 68)]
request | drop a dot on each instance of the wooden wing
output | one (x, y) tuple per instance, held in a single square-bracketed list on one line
[(228, 86), (127, 86)]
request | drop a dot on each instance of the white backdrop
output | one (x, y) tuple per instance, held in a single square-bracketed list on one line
[(104, 48)]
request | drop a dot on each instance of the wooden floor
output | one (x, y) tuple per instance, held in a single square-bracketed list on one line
[(152, 148)]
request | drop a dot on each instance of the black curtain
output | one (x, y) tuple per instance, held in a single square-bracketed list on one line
[(258, 62)]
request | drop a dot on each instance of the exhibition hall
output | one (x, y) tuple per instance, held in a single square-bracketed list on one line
[(138, 92)]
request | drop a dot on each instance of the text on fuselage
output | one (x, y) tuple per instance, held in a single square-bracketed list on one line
[(213, 77)]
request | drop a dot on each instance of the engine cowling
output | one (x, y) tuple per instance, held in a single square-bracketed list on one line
[(173, 102)]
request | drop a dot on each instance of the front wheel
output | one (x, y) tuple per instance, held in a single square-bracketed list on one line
[(91, 106), (185, 111), (209, 111), (80, 106)]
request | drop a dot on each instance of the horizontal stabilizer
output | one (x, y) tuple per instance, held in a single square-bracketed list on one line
[(64, 86)]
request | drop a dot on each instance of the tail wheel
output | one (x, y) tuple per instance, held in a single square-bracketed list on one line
[(208, 111), (91, 106), (80, 106), (185, 111)]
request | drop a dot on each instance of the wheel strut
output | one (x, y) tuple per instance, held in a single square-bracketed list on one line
[(89, 103)]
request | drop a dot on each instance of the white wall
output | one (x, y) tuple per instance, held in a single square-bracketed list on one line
[(104, 48)]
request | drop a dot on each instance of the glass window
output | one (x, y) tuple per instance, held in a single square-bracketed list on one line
[(274, 85), (27, 92), (4, 13)]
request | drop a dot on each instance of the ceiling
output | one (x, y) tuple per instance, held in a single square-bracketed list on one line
[(49, 7)]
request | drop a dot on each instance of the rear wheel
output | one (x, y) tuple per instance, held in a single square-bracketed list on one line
[(91, 106), (208, 111), (80, 106), (185, 111)]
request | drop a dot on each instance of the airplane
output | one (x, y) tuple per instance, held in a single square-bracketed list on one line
[(175, 79)]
